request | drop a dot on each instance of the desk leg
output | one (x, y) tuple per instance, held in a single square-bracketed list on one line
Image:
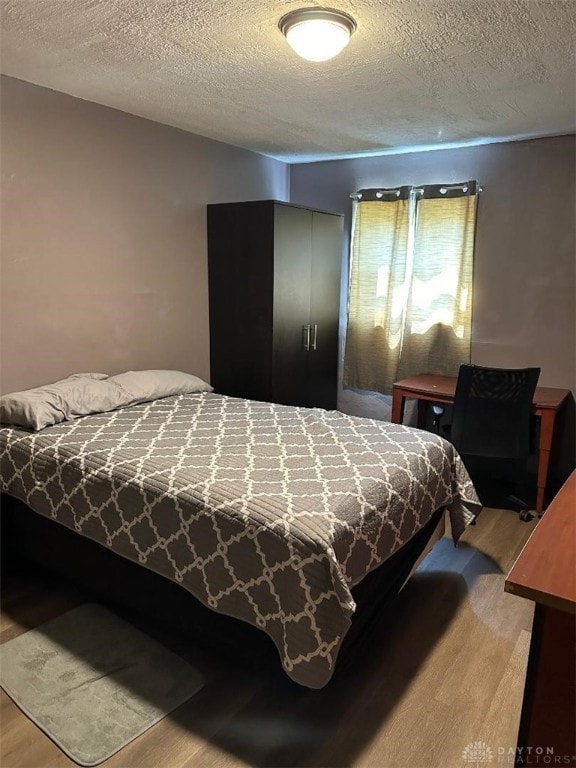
[(549, 706), (398, 402), (547, 418)]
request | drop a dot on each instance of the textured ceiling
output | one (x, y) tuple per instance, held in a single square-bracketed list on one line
[(416, 73)]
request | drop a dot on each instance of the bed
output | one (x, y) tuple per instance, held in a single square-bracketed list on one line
[(271, 514)]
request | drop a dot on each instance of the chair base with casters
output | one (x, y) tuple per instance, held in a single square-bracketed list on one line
[(491, 420), (524, 514), (501, 485)]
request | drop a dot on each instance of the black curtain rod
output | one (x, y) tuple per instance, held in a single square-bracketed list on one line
[(426, 190)]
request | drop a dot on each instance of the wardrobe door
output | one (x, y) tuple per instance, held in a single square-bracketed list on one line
[(324, 309), (292, 332), (240, 272)]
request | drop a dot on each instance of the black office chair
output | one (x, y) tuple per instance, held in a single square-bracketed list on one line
[(491, 419)]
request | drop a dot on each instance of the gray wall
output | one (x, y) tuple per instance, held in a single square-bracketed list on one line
[(524, 289), (103, 249), (103, 236)]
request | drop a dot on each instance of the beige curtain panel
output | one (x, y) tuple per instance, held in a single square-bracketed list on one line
[(410, 293)]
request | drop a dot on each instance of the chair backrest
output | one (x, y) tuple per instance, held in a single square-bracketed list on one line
[(491, 414)]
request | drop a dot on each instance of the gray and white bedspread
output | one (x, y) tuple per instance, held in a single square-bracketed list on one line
[(264, 512)]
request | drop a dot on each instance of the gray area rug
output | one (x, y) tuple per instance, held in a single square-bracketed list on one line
[(93, 682)]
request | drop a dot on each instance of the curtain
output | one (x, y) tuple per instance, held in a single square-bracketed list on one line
[(410, 290)]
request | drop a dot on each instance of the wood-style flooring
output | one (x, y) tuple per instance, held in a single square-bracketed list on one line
[(445, 670)]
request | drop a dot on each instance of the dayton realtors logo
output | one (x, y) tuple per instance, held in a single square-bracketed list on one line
[(479, 754)]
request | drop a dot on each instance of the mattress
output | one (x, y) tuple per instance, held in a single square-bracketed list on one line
[(264, 512)]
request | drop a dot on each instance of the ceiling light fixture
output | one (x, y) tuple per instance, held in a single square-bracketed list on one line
[(317, 34)]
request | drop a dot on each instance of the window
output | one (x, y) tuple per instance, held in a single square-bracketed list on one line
[(410, 293)]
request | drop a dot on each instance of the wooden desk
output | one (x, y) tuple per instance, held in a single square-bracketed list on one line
[(427, 388), (545, 572)]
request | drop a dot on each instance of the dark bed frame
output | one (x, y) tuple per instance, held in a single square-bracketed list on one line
[(120, 583)]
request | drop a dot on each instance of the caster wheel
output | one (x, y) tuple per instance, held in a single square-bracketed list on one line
[(525, 516)]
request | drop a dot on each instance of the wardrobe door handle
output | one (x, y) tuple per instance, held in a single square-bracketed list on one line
[(306, 337), (314, 337)]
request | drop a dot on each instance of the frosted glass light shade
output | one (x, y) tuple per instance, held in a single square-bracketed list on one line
[(317, 34)]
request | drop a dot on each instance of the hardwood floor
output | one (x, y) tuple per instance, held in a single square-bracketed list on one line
[(445, 670)]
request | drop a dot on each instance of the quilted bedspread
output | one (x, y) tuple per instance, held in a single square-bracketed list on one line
[(265, 512)]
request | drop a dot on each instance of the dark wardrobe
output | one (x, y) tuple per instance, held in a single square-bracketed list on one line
[(274, 282)]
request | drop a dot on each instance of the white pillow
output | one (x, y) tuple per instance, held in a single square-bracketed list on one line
[(85, 393), (63, 400), (99, 376), (143, 386)]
